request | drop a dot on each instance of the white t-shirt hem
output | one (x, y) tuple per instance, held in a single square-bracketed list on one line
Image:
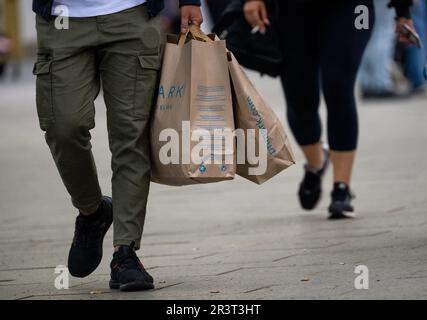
[(88, 8)]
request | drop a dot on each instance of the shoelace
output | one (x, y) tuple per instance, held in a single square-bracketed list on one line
[(87, 232)]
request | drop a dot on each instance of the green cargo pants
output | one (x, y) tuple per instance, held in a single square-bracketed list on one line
[(121, 51)]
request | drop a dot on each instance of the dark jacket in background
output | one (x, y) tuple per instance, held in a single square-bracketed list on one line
[(44, 7)]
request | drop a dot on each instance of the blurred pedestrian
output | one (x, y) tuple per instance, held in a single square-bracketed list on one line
[(5, 49), (375, 75), (323, 43), (5, 44), (414, 58)]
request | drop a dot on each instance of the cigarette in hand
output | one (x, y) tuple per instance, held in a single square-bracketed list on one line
[(255, 30)]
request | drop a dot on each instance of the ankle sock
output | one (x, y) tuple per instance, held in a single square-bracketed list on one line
[(317, 169), (341, 186)]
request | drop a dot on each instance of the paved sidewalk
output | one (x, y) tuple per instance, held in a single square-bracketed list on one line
[(232, 239)]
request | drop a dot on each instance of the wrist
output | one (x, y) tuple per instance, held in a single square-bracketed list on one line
[(403, 12), (189, 3), (183, 3)]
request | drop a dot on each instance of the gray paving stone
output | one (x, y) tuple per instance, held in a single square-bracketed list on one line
[(232, 239)]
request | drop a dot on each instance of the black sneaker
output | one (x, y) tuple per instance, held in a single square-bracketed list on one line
[(127, 271), (341, 202), (86, 250), (310, 188)]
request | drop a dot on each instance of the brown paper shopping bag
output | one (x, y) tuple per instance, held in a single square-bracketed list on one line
[(252, 112), (194, 101)]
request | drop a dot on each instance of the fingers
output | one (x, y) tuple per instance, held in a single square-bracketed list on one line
[(406, 32), (253, 18), (185, 18), (197, 20), (256, 15), (190, 15), (264, 15)]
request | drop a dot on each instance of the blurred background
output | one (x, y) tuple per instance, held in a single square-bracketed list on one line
[(389, 69), (227, 240)]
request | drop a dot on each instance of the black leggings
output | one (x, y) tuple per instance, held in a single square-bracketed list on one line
[(322, 49)]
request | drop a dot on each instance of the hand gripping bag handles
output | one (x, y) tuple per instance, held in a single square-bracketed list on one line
[(252, 112), (194, 102)]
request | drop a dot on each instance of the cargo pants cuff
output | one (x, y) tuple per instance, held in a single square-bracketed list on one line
[(127, 242), (87, 204)]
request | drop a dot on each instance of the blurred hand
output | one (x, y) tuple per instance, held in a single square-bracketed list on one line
[(190, 15), (256, 14), (402, 36)]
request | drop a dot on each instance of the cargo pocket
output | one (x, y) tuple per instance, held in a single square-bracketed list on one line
[(44, 93), (146, 83)]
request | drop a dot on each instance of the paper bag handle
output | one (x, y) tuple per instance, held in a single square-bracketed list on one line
[(196, 33)]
